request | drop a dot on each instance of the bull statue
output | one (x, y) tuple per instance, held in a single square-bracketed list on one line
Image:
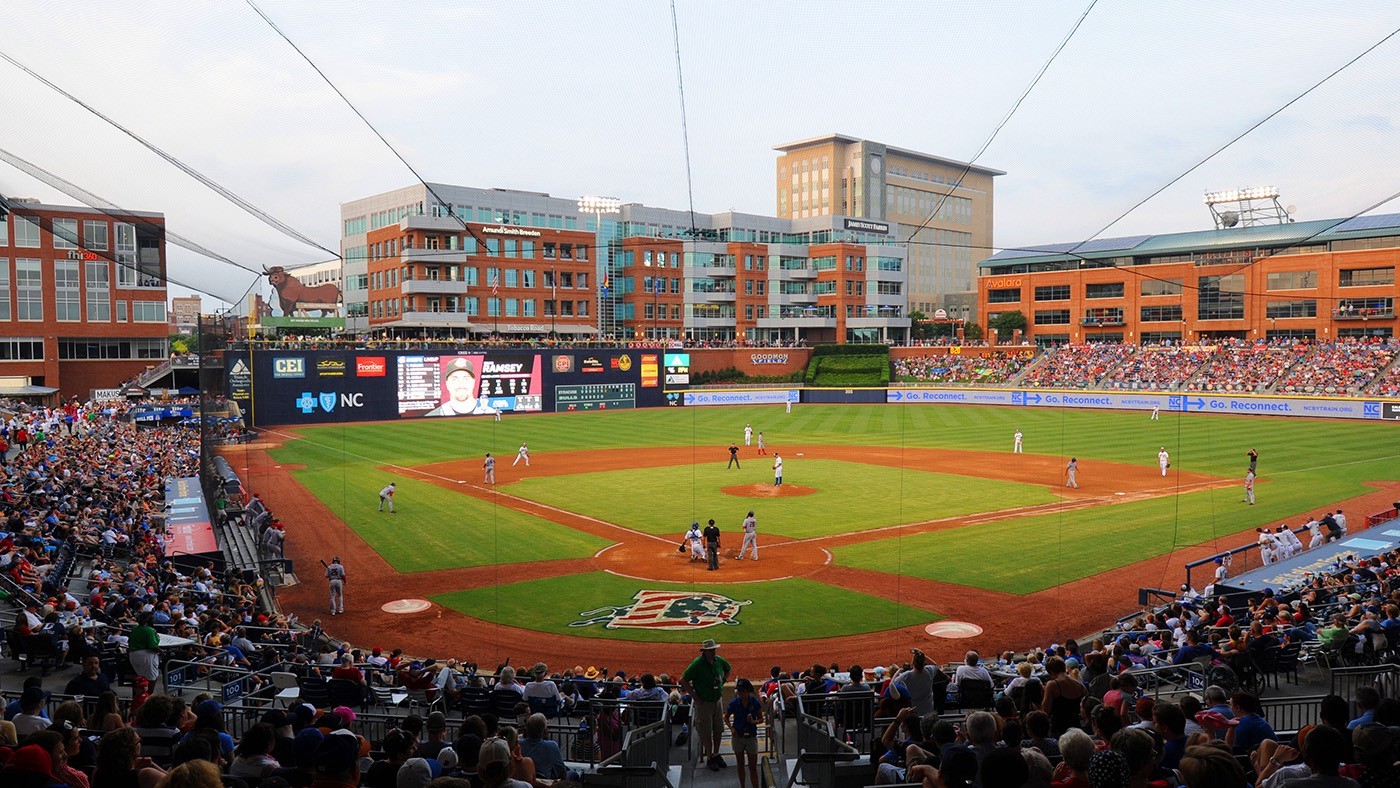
[(299, 299)]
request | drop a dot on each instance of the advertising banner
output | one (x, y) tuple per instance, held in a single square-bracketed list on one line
[(188, 530), (1137, 400), (758, 397)]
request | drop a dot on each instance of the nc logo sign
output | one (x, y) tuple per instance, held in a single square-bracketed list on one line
[(326, 400)]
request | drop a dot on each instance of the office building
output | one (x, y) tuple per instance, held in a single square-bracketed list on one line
[(84, 298), (1318, 280), (941, 209)]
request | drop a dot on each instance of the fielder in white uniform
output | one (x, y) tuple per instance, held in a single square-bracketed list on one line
[(750, 537), (748, 435), (1016, 442), (387, 495), (522, 454), (1315, 531), (1156, 412), (697, 542), (1163, 460)]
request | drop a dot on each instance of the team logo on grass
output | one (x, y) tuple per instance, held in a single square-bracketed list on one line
[(666, 610)]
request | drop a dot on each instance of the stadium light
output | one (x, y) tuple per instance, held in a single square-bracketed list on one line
[(600, 207), (1237, 195)]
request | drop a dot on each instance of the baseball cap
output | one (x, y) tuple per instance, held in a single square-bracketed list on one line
[(345, 713), (305, 745), (31, 758), (337, 752), (459, 365), (448, 758), (437, 721), (418, 772), (493, 751)]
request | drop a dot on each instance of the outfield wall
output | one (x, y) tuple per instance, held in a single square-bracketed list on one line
[(1238, 404)]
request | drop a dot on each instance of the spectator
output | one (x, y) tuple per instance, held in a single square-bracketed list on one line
[(545, 752), (1249, 728), (120, 765), (253, 757), (1209, 766), (90, 683)]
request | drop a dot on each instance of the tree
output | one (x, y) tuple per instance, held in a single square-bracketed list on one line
[(972, 332), (181, 344), (1007, 322), (917, 329)]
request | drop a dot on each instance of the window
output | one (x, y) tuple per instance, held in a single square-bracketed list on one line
[(548, 250), (512, 277), (511, 247), (471, 306), (1364, 277), (1051, 293), (581, 280), (527, 307), (1220, 297), (95, 235), (1009, 295), (1281, 309), (761, 285), (22, 349), (148, 311), (67, 297), (1292, 280), (648, 312), (1161, 287), (1161, 314), (4, 285), (1152, 337), (121, 311), (675, 285), (29, 290), (527, 249), (884, 288), (1104, 316), (493, 307), (1052, 317), (65, 233), (4, 231), (493, 277), (493, 247), (1104, 290), (27, 232), (512, 307), (99, 296), (75, 349)]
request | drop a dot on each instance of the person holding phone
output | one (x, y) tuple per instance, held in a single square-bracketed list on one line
[(743, 716)]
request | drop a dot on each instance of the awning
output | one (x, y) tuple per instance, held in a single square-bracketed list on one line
[(26, 390), (576, 330)]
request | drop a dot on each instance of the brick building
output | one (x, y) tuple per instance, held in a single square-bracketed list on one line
[(1320, 279), (84, 301)]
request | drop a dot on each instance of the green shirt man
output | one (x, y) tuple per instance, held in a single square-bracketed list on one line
[(707, 675)]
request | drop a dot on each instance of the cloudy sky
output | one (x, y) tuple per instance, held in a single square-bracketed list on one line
[(575, 98)]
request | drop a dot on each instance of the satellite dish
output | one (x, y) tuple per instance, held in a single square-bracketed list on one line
[(1229, 219)]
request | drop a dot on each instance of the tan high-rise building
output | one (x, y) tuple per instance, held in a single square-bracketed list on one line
[(837, 175), (184, 313)]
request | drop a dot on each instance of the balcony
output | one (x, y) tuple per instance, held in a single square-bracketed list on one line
[(435, 320), (1373, 313), (715, 297), (1102, 322), (721, 321), (803, 299), (433, 286), (434, 256), (797, 322), (796, 274), (877, 322)]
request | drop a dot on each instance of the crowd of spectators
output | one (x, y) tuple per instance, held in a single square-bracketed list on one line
[(1077, 366), (1239, 367), (1344, 367), (1157, 368), (989, 370)]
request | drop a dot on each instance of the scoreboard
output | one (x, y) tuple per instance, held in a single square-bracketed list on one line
[(595, 396)]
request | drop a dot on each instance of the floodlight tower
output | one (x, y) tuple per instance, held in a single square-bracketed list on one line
[(605, 286), (1247, 207)]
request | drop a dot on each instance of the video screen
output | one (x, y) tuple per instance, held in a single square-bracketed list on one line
[(470, 384)]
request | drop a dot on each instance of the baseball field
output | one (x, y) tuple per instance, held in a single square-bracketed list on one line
[(891, 518)]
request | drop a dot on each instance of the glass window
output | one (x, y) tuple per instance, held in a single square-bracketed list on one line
[(1161, 314), (4, 285), (512, 277), (527, 249), (4, 231), (67, 300), (99, 295), (527, 277), (582, 309), (512, 307), (65, 233), (1051, 293), (121, 311), (1220, 297), (1052, 317), (27, 232), (95, 235), (527, 307), (29, 290), (1363, 277), (511, 247), (1284, 309), (1292, 280), (1006, 295), (493, 307), (21, 349), (148, 311), (1104, 290), (1161, 287)]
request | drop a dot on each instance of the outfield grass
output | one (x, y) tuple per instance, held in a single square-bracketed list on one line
[(1304, 464), (793, 609), (438, 528), (665, 500)]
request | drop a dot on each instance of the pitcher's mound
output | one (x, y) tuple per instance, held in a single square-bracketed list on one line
[(767, 490)]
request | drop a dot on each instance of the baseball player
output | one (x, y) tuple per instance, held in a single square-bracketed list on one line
[(1071, 471), (387, 495), (748, 435), (1016, 442), (1314, 527), (762, 447), (697, 542), (750, 537), (1222, 568), (1295, 545), (335, 573), (1268, 548), (733, 457), (522, 454), (1249, 487), (712, 545), (489, 466), (777, 470), (1156, 412), (789, 404), (1164, 460)]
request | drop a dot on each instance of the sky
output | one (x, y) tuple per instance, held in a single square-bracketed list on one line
[(575, 98)]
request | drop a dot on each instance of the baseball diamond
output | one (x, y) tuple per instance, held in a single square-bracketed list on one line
[(911, 516)]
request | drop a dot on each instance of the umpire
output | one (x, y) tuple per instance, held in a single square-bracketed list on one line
[(711, 534)]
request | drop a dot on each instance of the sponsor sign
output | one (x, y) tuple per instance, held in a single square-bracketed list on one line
[(768, 358), (563, 364), (595, 396), (330, 367), (759, 397), (666, 610), (188, 529), (370, 366), (650, 370), (508, 230), (297, 321), (102, 395), (866, 226), (621, 363), (289, 367), (591, 364), (1314, 407)]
